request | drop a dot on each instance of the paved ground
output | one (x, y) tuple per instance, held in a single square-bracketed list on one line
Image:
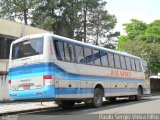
[(148, 106), (24, 106)]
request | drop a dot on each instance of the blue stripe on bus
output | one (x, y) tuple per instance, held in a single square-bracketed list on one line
[(38, 70), (45, 92), (74, 91), (51, 92)]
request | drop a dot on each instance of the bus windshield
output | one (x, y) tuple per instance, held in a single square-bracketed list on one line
[(29, 47)]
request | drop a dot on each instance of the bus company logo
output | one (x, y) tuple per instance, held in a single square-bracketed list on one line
[(120, 73), (27, 71), (26, 80)]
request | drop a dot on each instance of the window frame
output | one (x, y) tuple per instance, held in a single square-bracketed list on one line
[(92, 61), (109, 60), (122, 56), (106, 56), (82, 52), (55, 43), (117, 61), (99, 58), (132, 64), (127, 64), (138, 65)]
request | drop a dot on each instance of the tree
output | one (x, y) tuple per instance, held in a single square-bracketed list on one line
[(62, 14), (17, 9), (84, 20), (44, 15), (143, 40), (138, 30), (78, 19), (100, 25), (148, 51)]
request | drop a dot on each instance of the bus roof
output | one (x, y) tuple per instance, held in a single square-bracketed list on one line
[(76, 42)]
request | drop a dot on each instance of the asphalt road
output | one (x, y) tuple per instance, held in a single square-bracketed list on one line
[(148, 105)]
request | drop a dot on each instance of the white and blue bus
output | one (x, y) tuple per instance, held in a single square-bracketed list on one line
[(50, 67)]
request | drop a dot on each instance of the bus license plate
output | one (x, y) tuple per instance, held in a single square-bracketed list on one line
[(26, 87)]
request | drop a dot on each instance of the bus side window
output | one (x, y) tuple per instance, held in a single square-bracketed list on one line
[(117, 61), (79, 54), (137, 65), (123, 62), (96, 55), (88, 55), (111, 60), (59, 50), (128, 63), (133, 64), (104, 58), (69, 53)]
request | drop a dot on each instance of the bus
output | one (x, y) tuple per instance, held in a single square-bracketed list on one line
[(51, 67)]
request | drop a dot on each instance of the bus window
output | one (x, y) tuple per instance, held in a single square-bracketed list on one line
[(28, 48), (79, 54), (104, 58), (88, 55), (133, 64), (111, 59), (123, 62), (59, 50), (96, 55), (117, 61), (137, 65), (68, 50), (128, 63)]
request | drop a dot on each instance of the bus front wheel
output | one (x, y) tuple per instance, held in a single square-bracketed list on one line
[(98, 98), (139, 93)]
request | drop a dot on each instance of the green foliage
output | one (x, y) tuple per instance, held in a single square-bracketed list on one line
[(84, 20), (43, 15), (143, 40), (17, 9), (148, 51), (138, 30), (100, 25)]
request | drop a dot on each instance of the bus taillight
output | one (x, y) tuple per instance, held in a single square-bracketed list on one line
[(9, 82), (47, 79)]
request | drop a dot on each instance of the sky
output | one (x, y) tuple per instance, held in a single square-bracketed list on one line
[(124, 10)]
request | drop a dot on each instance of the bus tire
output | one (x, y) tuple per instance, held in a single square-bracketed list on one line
[(67, 104), (139, 93), (98, 98)]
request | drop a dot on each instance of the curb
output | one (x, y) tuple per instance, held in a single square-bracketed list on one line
[(29, 110)]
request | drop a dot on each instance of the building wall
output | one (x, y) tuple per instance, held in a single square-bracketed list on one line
[(4, 88), (155, 85), (5, 47), (9, 31), (3, 66), (15, 30)]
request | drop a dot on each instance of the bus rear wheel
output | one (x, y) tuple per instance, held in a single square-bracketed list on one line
[(98, 98)]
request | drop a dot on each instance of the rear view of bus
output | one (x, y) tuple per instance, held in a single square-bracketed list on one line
[(28, 76)]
